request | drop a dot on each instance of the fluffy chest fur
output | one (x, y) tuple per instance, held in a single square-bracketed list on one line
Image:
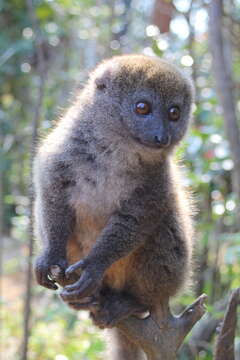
[(103, 180)]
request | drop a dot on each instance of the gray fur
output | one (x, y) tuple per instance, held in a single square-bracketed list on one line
[(107, 194)]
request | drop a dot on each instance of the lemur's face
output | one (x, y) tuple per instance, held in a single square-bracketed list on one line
[(154, 100), (154, 119)]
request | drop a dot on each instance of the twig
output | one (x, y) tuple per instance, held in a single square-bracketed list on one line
[(225, 342), (204, 330)]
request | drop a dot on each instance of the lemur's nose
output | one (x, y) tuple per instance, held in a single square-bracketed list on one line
[(162, 140)]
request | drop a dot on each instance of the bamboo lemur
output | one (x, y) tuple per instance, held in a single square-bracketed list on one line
[(108, 196)]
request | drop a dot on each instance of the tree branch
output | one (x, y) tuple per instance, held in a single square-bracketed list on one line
[(161, 334), (225, 341), (204, 331)]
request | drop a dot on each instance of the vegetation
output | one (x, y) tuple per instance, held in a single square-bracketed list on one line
[(47, 48)]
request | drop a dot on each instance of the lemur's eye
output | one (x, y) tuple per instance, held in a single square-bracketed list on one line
[(142, 108), (174, 113)]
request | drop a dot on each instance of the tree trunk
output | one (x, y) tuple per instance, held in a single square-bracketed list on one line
[(224, 85), (35, 124)]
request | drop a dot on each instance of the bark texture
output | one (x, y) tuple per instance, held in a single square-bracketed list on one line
[(225, 342), (224, 86)]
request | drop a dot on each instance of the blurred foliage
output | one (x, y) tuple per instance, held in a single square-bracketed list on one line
[(75, 35)]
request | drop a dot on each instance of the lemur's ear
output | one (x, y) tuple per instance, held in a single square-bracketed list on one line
[(104, 75), (101, 85)]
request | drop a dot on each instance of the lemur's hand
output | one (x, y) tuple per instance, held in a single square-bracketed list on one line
[(43, 269), (89, 282)]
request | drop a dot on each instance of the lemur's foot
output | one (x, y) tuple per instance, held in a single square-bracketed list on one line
[(114, 307)]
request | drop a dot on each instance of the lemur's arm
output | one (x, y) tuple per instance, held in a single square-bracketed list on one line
[(54, 218), (127, 228)]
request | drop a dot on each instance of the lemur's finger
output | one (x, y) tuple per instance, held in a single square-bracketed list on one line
[(43, 278), (72, 268), (49, 284), (46, 282), (56, 273), (85, 286)]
